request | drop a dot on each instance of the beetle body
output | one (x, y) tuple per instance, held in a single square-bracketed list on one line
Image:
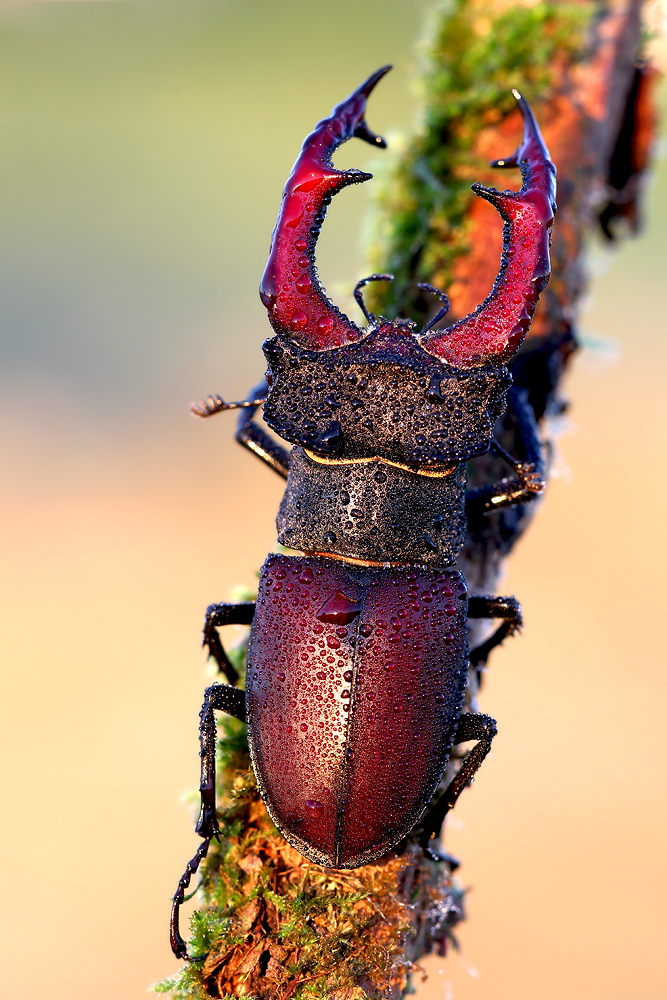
[(355, 678), (357, 660)]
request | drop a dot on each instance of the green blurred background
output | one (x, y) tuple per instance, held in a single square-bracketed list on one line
[(143, 149)]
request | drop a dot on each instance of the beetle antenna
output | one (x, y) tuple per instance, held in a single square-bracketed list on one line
[(215, 404), (444, 309), (359, 297)]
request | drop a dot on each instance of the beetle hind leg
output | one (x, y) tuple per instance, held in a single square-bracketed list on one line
[(470, 727), (178, 945), (222, 698)]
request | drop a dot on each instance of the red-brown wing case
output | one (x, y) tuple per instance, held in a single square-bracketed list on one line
[(354, 687)]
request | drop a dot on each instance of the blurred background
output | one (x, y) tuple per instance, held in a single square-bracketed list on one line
[(143, 149)]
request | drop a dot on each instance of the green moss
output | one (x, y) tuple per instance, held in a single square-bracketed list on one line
[(271, 922), (474, 58)]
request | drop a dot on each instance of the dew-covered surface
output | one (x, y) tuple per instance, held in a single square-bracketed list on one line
[(354, 685), (501, 322), (384, 396), (296, 301), (140, 183), (373, 511)]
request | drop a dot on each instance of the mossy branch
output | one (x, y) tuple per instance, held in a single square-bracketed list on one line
[(420, 225)]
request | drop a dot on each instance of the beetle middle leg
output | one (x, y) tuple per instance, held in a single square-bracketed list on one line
[(470, 727), (507, 608), (222, 698), (225, 614)]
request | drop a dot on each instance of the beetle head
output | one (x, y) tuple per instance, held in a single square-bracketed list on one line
[(386, 391), (383, 396)]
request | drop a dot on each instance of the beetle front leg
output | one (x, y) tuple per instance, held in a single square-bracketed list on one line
[(507, 608), (470, 727), (222, 698), (225, 614), (248, 433), (530, 471), (255, 439)]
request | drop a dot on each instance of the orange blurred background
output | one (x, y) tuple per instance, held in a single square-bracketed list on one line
[(143, 149)]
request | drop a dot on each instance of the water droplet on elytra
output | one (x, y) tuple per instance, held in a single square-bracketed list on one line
[(339, 609)]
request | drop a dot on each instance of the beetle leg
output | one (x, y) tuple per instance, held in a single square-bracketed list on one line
[(530, 472), (223, 698), (470, 727), (248, 433), (178, 945), (507, 608), (225, 614), (255, 439)]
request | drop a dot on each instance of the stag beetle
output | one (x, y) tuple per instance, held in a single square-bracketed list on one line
[(358, 650)]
